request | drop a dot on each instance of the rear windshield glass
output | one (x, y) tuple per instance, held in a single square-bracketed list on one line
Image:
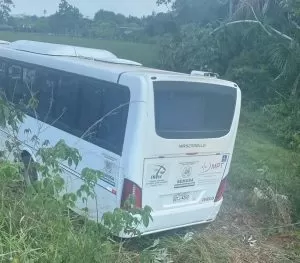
[(190, 110)]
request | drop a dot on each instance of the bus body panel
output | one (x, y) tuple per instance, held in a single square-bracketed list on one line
[(187, 216), (135, 136), (93, 157)]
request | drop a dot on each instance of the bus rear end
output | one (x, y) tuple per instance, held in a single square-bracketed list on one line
[(189, 140)]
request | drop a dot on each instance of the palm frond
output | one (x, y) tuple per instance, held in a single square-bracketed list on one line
[(286, 59), (278, 56)]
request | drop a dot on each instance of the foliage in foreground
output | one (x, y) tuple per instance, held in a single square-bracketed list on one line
[(37, 228), (35, 223), (34, 227)]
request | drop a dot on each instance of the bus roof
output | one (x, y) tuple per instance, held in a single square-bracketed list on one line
[(94, 63)]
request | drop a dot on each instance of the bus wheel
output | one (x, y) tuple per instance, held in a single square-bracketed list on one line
[(30, 174)]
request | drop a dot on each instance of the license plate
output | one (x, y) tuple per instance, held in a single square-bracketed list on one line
[(181, 197)]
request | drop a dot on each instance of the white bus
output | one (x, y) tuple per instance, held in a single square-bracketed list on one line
[(169, 141)]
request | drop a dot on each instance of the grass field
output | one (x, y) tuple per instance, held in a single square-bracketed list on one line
[(260, 162), (146, 54)]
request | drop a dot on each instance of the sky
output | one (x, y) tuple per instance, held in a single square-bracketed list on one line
[(88, 7)]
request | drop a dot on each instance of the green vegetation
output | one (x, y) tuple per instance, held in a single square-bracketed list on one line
[(254, 43), (260, 162), (36, 228), (147, 54)]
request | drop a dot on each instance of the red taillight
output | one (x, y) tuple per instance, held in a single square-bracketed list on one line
[(131, 189), (221, 190)]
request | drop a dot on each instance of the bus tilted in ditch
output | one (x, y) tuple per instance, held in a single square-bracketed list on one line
[(167, 138)]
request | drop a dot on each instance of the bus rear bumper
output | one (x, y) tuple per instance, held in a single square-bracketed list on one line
[(180, 218)]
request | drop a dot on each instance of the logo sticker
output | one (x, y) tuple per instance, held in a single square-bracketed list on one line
[(205, 167), (157, 175), (186, 171), (109, 172)]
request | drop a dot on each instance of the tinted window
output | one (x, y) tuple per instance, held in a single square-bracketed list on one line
[(91, 109), (46, 86), (103, 116), (19, 84), (66, 104), (186, 110), (14, 90)]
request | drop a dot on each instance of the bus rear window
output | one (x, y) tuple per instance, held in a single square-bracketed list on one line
[(190, 110)]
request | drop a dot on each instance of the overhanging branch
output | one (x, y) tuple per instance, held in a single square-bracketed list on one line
[(281, 34), (295, 24), (257, 21), (254, 22), (247, 21)]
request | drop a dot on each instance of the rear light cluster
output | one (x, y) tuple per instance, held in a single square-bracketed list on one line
[(221, 190), (131, 189)]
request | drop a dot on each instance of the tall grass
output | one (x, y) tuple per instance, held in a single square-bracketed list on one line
[(260, 162), (36, 228)]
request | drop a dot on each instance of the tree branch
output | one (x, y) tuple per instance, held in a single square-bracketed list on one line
[(295, 24), (257, 21), (256, 18), (254, 22), (281, 34), (247, 21), (102, 119)]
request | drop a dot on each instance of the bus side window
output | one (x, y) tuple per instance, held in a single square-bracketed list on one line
[(14, 89), (91, 109), (66, 104), (46, 83), (29, 91), (104, 107), (116, 103)]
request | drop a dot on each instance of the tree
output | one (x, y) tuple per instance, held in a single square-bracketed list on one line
[(198, 11), (279, 20), (5, 8), (67, 19), (159, 24), (108, 16)]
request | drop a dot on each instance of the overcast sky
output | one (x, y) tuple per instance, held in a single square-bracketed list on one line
[(88, 7)]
